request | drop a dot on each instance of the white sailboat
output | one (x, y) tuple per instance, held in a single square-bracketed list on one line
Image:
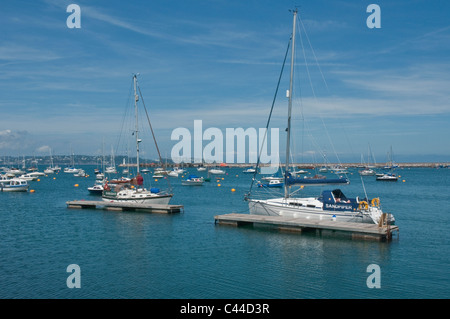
[(330, 205), (112, 168), (71, 169), (136, 193)]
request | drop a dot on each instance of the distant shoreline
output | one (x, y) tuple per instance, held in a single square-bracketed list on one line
[(82, 160)]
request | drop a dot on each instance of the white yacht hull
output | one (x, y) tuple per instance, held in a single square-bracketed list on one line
[(311, 209), (138, 197)]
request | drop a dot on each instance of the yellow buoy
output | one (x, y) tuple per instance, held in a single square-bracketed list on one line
[(31, 190), (404, 181), (38, 180), (54, 177), (222, 178), (76, 185), (156, 179), (218, 184), (233, 190)]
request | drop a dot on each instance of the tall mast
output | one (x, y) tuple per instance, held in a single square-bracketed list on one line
[(288, 138), (136, 98)]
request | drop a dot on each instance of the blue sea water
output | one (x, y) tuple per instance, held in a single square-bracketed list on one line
[(187, 256)]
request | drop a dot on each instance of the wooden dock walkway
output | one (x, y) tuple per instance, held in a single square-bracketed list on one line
[(322, 227), (124, 206)]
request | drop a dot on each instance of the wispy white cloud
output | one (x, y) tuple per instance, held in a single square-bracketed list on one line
[(25, 53)]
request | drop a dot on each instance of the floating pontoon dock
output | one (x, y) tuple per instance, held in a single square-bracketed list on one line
[(124, 206), (322, 227)]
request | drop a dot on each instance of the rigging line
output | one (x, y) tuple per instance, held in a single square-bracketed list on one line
[(314, 54), (311, 85), (124, 117), (326, 84), (314, 93), (364, 187), (154, 138), (270, 115)]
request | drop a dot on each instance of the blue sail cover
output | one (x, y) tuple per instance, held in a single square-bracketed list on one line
[(317, 180), (336, 201)]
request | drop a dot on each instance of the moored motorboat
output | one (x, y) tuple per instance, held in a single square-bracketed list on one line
[(367, 172), (28, 177), (216, 171), (193, 180), (388, 177), (13, 184), (275, 182), (97, 188)]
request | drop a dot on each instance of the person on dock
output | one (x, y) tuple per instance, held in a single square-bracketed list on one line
[(140, 181)]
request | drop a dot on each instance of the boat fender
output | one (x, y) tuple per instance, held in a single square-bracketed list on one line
[(154, 190), (376, 202), (363, 205)]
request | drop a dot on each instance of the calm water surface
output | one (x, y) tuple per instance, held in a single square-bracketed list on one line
[(142, 255)]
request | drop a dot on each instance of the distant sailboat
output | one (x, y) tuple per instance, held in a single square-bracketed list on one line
[(71, 169)]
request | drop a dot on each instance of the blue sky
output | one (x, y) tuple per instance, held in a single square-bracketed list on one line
[(219, 62)]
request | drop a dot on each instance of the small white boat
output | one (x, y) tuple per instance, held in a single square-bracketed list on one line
[(216, 171), (389, 177), (14, 172), (269, 178), (111, 170), (97, 188), (249, 170), (201, 169), (367, 172), (193, 180), (13, 184), (178, 170), (28, 177), (49, 170), (36, 173), (173, 174), (70, 170), (159, 173), (80, 173)]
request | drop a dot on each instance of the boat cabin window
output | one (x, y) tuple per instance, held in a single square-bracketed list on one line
[(339, 196), (295, 204)]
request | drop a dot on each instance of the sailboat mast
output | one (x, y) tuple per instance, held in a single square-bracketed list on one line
[(136, 98), (288, 136)]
